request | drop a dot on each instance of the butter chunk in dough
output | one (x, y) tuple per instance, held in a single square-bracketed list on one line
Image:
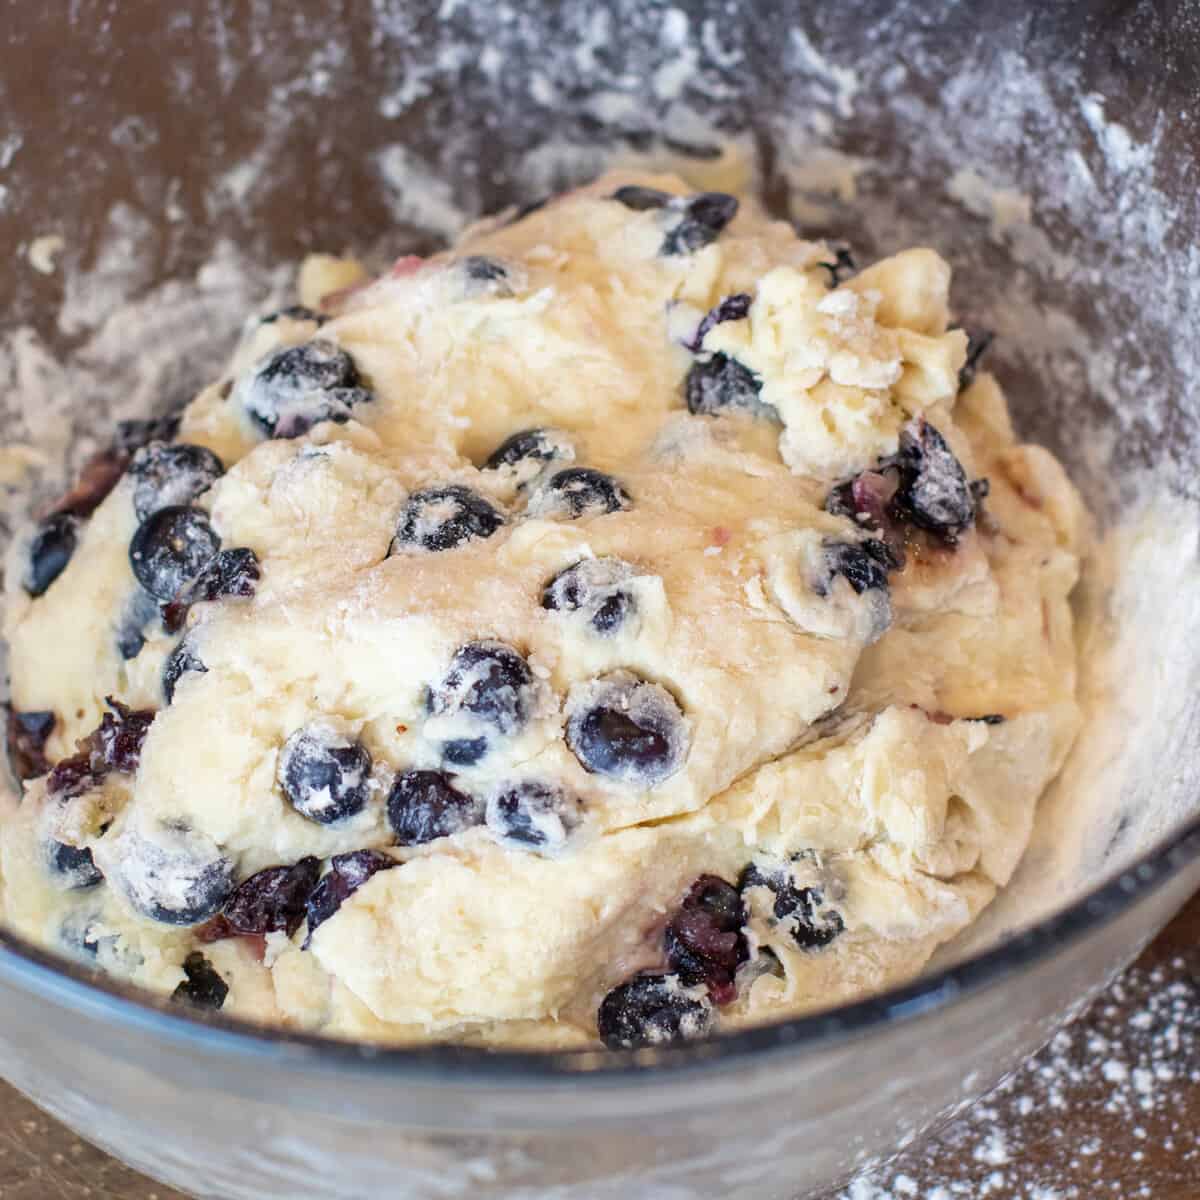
[(636, 625)]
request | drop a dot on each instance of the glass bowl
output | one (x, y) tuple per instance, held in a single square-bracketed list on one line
[(180, 151)]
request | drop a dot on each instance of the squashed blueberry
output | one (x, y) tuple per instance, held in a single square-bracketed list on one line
[(704, 216), (116, 743), (532, 815), (933, 492), (72, 867), (172, 550), (426, 805), (488, 692), (273, 900), (598, 590), (704, 940), (652, 1010), (49, 552), (173, 873), (717, 384), (346, 874), (864, 565), (441, 518), (179, 662), (627, 729), (203, 987), (801, 910), (578, 492), (27, 734), (526, 453), (233, 573), (168, 475), (325, 776), (301, 386), (731, 308)]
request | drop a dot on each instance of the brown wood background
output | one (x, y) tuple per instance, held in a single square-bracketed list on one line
[(1066, 1132)]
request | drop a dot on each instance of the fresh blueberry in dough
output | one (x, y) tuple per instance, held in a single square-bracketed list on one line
[(346, 874), (301, 386), (801, 910), (484, 275), (203, 987), (488, 692), (704, 941), (167, 475), (174, 874), (578, 492), (273, 900), (172, 550), (133, 435), (179, 662), (325, 776), (731, 308), (116, 743), (441, 518), (864, 565), (49, 552), (532, 815), (653, 1010), (293, 312), (704, 216), (642, 199), (717, 384), (597, 590), (72, 867), (27, 734), (627, 729), (139, 611), (525, 454), (934, 493), (426, 805)]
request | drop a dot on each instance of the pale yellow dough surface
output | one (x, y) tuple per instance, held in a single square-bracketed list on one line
[(803, 735)]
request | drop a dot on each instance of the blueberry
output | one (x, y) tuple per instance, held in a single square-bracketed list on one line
[(596, 589), (531, 815), (425, 805), (579, 492), (801, 910), (133, 435), (731, 308), (72, 776), (716, 384), (485, 274), (347, 873), (864, 565), (273, 900), (527, 452), (441, 518), (139, 611), (233, 573), (325, 776), (116, 744), (641, 199), (488, 691), (170, 475), (174, 875), (842, 266), (977, 347), (652, 1010), (179, 662), (49, 552), (933, 492), (172, 550), (203, 987), (293, 312), (72, 867), (627, 729), (704, 216), (27, 734), (301, 386), (704, 940)]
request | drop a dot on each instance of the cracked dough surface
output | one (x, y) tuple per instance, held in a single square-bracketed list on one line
[(857, 761)]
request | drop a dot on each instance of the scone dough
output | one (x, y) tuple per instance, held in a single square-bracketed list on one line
[(565, 677)]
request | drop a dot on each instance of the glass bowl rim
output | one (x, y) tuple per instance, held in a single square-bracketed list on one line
[(87, 993)]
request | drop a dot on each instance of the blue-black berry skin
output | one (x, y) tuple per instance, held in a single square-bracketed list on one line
[(171, 474), (426, 805), (704, 217), (864, 565), (72, 867), (172, 550), (325, 777), (576, 492), (642, 199), (180, 661), (443, 518), (298, 387), (720, 384), (652, 1010), (203, 987), (49, 552), (178, 884), (346, 874)]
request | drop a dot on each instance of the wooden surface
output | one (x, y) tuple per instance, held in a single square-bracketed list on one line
[(1110, 1110)]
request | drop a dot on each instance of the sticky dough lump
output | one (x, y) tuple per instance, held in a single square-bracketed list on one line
[(619, 626)]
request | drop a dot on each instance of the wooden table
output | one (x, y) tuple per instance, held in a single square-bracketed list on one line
[(1109, 1111)]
